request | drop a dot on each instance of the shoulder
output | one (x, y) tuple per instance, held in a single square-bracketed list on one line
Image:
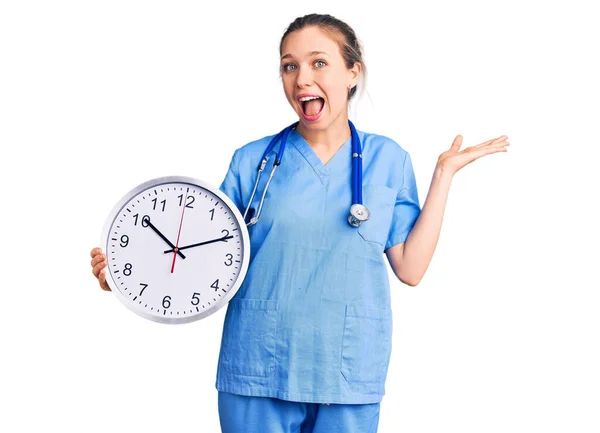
[(381, 147), (255, 147), (249, 155), (384, 161)]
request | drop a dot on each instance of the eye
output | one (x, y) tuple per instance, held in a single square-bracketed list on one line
[(320, 63), (288, 67)]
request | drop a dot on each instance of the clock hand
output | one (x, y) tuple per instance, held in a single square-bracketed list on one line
[(162, 236), (201, 243), (179, 233)]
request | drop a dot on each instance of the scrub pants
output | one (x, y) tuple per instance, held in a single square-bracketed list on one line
[(243, 414)]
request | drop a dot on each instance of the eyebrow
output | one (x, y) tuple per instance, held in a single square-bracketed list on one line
[(312, 53)]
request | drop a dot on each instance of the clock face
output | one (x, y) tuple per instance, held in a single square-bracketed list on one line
[(177, 249)]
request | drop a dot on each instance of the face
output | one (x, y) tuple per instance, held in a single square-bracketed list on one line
[(316, 79)]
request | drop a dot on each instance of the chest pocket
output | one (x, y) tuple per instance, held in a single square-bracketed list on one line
[(380, 200)]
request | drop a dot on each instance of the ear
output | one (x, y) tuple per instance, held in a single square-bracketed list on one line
[(354, 74)]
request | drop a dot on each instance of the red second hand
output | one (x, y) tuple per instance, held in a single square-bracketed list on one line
[(178, 233)]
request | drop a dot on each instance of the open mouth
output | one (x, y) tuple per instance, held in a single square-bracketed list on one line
[(312, 106)]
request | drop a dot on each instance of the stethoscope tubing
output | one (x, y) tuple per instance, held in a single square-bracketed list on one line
[(283, 136)]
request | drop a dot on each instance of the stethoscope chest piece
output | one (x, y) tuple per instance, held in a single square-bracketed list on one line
[(358, 214)]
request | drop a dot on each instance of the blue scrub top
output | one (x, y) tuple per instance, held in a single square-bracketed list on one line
[(312, 321)]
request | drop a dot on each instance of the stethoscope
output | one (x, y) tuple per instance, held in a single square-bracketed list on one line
[(358, 212)]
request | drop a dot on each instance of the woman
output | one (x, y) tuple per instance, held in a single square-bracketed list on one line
[(307, 338)]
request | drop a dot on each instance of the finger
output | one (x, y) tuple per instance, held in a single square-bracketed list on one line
[(485, 151), (99, 267), (97, 259), (492, 141), (498, 145), (95, 251), (456, 143), (102, 279)]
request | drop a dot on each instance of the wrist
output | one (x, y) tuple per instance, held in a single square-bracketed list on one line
[(442, 172)]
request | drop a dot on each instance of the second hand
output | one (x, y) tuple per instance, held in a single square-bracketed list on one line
[(176, 249)]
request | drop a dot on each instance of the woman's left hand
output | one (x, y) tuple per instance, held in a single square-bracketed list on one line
[(454, 159)]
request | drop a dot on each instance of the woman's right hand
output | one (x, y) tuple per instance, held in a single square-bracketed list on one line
[(98, 265)]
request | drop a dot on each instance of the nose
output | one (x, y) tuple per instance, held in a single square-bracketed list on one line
[(304, 77)]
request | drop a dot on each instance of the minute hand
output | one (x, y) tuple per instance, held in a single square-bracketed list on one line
[(201, 243)]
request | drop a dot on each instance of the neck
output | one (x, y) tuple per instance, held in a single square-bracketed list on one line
[(332, 137)]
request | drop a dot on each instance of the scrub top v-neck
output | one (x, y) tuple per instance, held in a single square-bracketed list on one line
[(312, 320)]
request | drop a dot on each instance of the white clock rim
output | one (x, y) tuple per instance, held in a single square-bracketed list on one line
[(157, 181)]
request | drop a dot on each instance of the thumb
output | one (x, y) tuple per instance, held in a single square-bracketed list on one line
[(456, 143)]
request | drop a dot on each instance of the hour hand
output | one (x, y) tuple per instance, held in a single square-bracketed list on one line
[(147, 221), (224, 238)]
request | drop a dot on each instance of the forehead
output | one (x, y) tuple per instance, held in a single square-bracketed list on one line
[(311, 39)]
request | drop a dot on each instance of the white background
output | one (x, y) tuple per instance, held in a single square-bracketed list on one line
[(501, 335)]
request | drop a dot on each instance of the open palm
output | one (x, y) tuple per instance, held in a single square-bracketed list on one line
[(454, 159)]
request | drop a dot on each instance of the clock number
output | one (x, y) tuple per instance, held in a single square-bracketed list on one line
[(195, 298), (124, 240), (127, 270), (215, 285), (145, 220), (190, 197), (226, 232), (166, 302), (229, 259), (164, 202), (212, 214), (143, 288)]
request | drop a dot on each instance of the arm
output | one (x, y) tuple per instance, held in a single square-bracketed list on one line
[(410, 259)]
